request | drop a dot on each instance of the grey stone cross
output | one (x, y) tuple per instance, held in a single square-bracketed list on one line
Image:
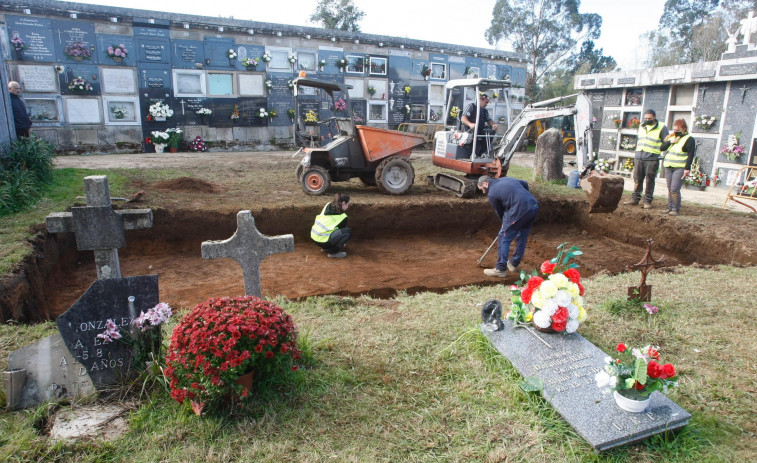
[(98, 227), (248, 247)]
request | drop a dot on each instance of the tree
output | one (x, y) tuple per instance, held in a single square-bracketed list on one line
[(545, 30), (596, 60), (342, 15)]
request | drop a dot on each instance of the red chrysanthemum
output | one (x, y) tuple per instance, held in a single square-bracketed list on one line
[(572, 275), (560, 316), (621, 347)]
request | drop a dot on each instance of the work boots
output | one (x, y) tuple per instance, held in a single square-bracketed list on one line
[(631, 202), (495, 272)]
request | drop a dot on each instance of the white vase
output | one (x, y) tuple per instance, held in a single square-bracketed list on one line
[(160, 119), (159, 147), (631, 405)]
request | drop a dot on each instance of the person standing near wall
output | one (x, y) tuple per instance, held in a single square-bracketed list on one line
[(647, 160), (20, 116), (680, 147)]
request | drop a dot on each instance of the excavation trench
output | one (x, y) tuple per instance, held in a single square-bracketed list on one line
[(412, 248)]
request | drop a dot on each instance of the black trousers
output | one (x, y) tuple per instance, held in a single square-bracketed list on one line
[(336, 240), (22, 133)]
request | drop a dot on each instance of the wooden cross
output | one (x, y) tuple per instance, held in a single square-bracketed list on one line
[(98, 227), (248, 247), (646, 264), (744, 89)]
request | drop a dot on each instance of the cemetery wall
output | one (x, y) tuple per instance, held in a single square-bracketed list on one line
[(725, 90), (191, 62)]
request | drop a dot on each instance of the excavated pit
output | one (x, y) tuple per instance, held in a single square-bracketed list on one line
[(404, 247)]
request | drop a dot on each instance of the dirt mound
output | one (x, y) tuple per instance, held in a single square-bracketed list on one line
[(188, 184)]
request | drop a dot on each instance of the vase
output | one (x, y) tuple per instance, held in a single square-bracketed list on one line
[(159, 147), (117, 59), (425, 77), (629, 404), (159, 119), (19, 55), (77, 58), (231, 62)]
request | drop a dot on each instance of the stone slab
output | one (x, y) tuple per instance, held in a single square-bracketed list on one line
[(106, 299), (566, 364), (52, 373)]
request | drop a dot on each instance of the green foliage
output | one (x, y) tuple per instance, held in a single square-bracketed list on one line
[(26, 168), (532, 384), (592, 58), (546, 31), (623, 307), (342, 15)]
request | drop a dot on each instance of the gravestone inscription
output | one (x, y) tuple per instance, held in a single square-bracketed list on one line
[(37, 34), (38, 78), (105, 41), (73, 36), (106, 362), (186, 54), (566, 365), (76, 73), (248, 247), (151, 50), (216, 53)]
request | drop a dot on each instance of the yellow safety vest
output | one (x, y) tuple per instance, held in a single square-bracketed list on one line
[(325, 225), (676, 158), (649, 140)]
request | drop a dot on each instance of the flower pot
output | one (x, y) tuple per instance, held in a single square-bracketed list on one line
[(173, 150), (77, 58), (631, 405), (117, 59), (246, 380), (159, 147), (544, 330), (19, 55)]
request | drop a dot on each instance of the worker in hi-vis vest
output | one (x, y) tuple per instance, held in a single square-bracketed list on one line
[(680, 147), (646, 163), (330, 230)]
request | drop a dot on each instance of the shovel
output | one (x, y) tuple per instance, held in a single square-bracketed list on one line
[(487, 250)]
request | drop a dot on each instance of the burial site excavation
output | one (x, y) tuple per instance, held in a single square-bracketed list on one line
[(433, 246)]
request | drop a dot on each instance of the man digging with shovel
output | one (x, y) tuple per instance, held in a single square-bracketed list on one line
[(516, 207)]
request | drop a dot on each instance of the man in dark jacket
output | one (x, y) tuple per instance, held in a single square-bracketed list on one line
[(20, 117), (516, 207)]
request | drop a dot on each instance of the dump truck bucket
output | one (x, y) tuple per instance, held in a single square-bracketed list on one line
[(381, 143)]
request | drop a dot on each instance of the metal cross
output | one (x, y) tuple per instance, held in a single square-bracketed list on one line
[(647, 263), (703, 88), (744, 89), (182, 106)]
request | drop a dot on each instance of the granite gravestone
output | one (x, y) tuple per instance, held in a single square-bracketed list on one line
[(106, 40), (215, 50), (153, 50), (98, 227), (45, 371), (37, 34), (106, 362), (72, 71), (186, 54), (248, 247), (656, 98), (566, 366), (77, 34)]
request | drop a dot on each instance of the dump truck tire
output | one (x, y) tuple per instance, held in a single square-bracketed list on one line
[(315, 180), (569, 147), (395, 175)]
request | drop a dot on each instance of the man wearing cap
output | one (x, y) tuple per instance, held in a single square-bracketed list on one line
[(647, 159), (20, 117), (477, 122), (517, 208)]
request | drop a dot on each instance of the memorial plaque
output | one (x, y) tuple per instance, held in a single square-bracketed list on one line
[(155, 51), (249, 111), (216, 53), (332, 55), (186, 54), (104, 41), (519, 77), (359, 111), (566, 365), (707, 151), (83, 111), (155, 76), (457, 70), (280, 89), (37, 34), (251, 84), (605, 81), (121, 111), (71, 74), (703, 74), (142, 31), (626, 80), (250, 51), (74, 34), (489, 71), (52, 373), (709, 100), (185, 111), (738, 69), (355, 63), (587, 82), (44, 112), (399, 69), (119, 81), (380, 85), (613, 97), (281, 107), (107, 299), (656, 98), (377, 65), (38, 78), (419, 92), (504, 72)]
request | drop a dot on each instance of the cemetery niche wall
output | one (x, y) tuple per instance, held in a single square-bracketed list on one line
[(717, 99), (90, 78)]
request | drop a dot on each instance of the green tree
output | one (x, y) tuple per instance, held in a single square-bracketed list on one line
[(594, 58), (545, 30), (342, 15)]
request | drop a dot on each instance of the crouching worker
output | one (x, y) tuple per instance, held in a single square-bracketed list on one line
[(330, 230)]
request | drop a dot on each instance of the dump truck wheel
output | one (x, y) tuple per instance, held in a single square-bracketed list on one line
[(395, 175), (570, 147), (368, 180), (315, 180)]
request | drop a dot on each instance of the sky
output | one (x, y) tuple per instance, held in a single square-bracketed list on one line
[(449, 21)]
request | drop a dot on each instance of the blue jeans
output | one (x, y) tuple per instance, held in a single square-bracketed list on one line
[(518, 230)]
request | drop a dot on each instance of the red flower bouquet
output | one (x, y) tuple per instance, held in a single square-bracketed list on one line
[(636, 373), (222, 339)]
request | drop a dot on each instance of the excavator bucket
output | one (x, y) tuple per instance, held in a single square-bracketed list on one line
[(604, 191)]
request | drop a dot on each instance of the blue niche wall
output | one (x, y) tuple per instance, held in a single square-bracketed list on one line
[(187, 54), (71, 38), (105, 41), (37, 35)]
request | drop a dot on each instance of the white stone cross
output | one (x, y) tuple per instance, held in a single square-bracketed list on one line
[(248, 247), (748, 27), (98, 227)]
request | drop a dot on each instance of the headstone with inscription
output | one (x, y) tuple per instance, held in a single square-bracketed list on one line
[(566, 366), (153, 50), (76, 73), (38, 78), (187, 54), (106, 362), (216, 56), (71, 37), (105, 41), (37, 34)]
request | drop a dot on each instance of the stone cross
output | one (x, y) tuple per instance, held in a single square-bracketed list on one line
[(98, 227), (248, 247), (646, 264), (748, 27)]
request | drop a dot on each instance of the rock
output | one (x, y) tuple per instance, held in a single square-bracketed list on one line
[(604, 191), (548, 164), (105, 422)]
